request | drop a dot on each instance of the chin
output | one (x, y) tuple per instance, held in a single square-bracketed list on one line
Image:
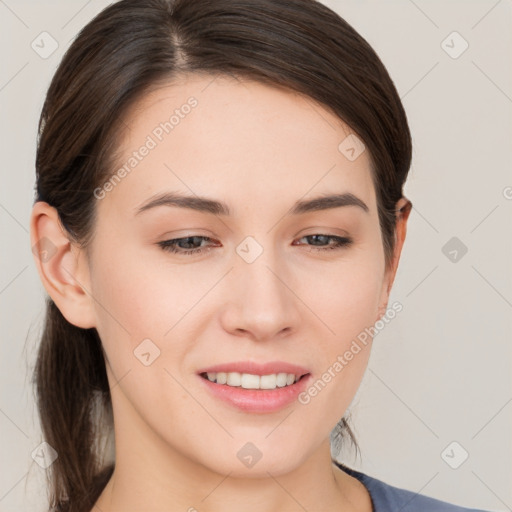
[(249, 462)]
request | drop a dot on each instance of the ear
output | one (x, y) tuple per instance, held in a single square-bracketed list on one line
[(403, 209), (62, 266)]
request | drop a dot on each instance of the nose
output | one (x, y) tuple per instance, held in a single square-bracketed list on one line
[(261, 303)]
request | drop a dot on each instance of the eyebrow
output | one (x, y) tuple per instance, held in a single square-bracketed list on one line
[(207, 205)]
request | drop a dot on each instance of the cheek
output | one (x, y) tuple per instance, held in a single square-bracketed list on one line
[(127, 310), (346, 298), (136, 305), (138, 298)]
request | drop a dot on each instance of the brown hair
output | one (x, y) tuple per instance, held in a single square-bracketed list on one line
[(130, 47)]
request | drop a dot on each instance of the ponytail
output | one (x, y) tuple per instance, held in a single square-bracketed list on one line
[(73, 401)]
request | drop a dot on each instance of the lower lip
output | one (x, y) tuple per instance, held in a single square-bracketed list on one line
[(257, 400)]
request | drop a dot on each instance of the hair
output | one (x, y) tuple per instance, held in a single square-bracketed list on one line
[(123, 53)]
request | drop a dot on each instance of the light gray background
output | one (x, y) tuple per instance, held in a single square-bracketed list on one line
[(441, 370)]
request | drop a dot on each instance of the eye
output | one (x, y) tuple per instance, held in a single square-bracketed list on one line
[(176, 245), (338, 242)]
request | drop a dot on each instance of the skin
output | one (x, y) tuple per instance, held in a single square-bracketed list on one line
[(259, 149)]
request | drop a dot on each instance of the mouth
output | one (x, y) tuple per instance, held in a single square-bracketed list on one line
[(253, 381), (255, 388)]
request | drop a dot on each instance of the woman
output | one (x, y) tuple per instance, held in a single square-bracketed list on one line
[(219, 216)]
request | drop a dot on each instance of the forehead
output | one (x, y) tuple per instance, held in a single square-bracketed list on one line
[(235, 139)]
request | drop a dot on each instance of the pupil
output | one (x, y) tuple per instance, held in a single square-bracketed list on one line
[(319, 237), (188, 241)]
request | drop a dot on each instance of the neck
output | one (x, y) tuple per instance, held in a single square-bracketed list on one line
[(144, 480)]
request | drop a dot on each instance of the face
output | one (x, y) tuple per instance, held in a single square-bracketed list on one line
[(267, 281)]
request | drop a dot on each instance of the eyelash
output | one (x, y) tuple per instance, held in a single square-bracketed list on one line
[(170, 245)]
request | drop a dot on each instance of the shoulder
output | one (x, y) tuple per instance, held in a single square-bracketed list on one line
[(387, 498)]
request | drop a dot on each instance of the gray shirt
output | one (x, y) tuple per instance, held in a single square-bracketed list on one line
[(386, 498)]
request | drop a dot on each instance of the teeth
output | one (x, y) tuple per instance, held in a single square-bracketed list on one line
[(281, 380), (234, 379), (250, 381)]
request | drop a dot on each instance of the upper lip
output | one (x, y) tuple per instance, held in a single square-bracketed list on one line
[(256, 368)]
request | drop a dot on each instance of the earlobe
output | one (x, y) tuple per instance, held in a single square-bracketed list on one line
[(61, 265)]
